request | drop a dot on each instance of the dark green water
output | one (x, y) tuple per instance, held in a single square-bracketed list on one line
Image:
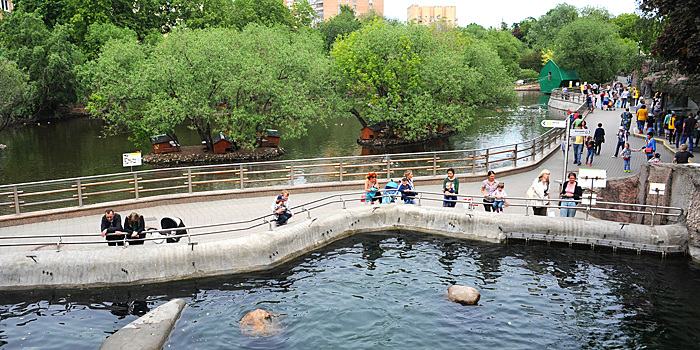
[(387, 290), (75, 147)]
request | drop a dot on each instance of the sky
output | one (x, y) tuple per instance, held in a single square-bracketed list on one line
[(491, 13)]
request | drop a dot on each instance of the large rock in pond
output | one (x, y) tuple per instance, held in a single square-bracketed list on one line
[(260, 323), (463, 295)]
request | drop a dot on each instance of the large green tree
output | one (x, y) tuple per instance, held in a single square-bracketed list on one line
[(593, 48), (216, 80), (414, 79), (262, 12), (680, 39), (15, 92), (342, 24), (543, 31)]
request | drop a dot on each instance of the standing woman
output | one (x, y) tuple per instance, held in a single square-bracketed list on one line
[(488, 187), (371, 188), (540, 191), (571, 190), (134, 226), (649, 147), (455, 184)]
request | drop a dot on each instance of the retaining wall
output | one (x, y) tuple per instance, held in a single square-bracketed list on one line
[(108, 266)]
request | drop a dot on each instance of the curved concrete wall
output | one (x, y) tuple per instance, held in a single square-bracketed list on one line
[(159, 263)]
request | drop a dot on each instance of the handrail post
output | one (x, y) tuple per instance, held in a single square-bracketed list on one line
[(340, 170), (291, 174), (434, 163), (515, 157), (136, 186), (189, 180), (388, 167), (241, 175), (486, 165), (473, 162), (80, 193), (16, 195), (534, 150)]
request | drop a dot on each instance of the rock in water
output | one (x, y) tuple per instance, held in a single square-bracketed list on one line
[(463, 294), (260, 323)]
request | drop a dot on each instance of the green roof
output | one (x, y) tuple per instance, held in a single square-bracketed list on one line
[(552, 76)]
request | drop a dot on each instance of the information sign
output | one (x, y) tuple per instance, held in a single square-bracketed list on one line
[(131, 159)]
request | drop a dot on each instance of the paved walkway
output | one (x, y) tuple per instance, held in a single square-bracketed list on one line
[(210, 212)]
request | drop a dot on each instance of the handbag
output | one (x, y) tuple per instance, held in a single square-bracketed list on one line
[(648, 150)]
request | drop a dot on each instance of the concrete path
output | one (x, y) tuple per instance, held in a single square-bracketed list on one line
[(210, 212)]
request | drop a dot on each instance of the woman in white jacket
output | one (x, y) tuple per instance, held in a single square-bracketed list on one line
[(540, 191)]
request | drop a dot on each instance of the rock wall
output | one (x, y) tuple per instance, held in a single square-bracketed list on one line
[(622, 191)]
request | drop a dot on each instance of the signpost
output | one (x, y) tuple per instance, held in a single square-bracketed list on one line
[(597, 180), (553, 123), (581, 132), (657, 189), (565, 143), (131, 159)]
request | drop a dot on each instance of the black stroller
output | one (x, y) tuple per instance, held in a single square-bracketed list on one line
[(174, 235)]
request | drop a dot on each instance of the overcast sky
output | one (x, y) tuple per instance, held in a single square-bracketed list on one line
[(491, 13)]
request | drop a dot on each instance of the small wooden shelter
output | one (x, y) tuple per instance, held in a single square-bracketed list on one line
[(271, 138), (552, 77), (221, 143), (372, 132), (164, 144)]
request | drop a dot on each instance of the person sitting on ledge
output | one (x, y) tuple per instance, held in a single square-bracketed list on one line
[(134, 226), (111, 227), (280, 208)]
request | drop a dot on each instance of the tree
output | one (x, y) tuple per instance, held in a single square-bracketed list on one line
[(596, 13), (216, 80), (593, 48), (521, 29), (543, 31), (414, 79), (303, 13), (508, 47), (99, 34), (531, 59), (262, 12), (680, 39), (14, 92), (641, 30), (47, 56), (208, 14), (52, 12), (342, 24)]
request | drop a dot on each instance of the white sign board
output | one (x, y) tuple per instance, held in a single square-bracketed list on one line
[(131, 159), (596, 177), (588, 199), (554, 123), (655, 188), (581, 132)]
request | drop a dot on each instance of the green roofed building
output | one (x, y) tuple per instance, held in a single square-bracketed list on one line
[(553, 76)]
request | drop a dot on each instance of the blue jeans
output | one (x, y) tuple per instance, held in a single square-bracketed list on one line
[(591, 152), (658, 128), (620, 144), (624, 103), (577, 153), (498, 206), (689, 138), (569, 212), (627, 164), (640, 126)]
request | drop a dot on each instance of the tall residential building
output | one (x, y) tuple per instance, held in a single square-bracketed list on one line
[(329, 8), (5, 6), (428, 14)]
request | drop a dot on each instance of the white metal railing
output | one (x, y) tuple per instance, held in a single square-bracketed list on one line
[(574, 95), (90, 190), (469, 202)]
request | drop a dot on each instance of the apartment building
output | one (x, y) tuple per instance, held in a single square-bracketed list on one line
[(329, 8), (428, 14)]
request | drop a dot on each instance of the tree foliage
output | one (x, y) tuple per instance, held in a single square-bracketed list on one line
[(216, 80), (414, 79), (15, 92), (545, 29), (262, 12), (342, 24), (680, 39), (592, 48)]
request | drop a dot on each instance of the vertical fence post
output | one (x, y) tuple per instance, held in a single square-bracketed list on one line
[(515, 156), (434, 163), (486, 165), (189, 180), (16, 195), (241, 175), (136, 186), (473, 162), (340, 170), (291, 174), (388, 167), (534, 149), (80, 193)]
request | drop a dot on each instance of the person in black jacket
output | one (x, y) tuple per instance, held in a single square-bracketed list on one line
[(570, 190), (134, 226), (599, 137), (111, 227)]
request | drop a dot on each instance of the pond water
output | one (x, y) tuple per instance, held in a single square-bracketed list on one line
[(387, 290), (75, 147)]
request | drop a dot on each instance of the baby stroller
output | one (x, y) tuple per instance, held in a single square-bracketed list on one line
[(391, 191), (173, 235)]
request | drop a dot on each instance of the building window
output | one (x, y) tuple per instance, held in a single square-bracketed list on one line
[(354, 7), (370, 5), (549, 76)]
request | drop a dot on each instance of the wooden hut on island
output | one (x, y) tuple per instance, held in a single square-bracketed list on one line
[(221, 143), (372, 132), (271, 138), (164, 144), (552, 77)]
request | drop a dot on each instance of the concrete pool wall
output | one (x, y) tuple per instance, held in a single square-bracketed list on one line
[(112, 266)]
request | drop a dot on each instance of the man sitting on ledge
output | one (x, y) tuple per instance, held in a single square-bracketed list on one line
[(112, 224)]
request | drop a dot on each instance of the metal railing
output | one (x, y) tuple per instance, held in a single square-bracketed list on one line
[(574, 95), (469, 202), (98, 189)]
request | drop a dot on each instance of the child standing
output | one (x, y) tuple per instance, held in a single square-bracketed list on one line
[(626, 154), (500, 196), (449, 191), (590, 146), (406, 191)]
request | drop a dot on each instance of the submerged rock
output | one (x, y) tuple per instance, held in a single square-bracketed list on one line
[(463, 294), (260, 323)]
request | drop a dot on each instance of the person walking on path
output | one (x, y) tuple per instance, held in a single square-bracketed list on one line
[(570, 191), (689, 126), (683, 155), (678, 130), (488, 188), (578, 147), (642, 115), (649, 147), (599, 137), (668, 124), (590, 146), (697, 129), (621, 140), (626, 157), (625, 94), (539, 191), (626, 120)]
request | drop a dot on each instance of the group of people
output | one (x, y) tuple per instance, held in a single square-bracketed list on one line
[(116, 233), (611, 96)]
